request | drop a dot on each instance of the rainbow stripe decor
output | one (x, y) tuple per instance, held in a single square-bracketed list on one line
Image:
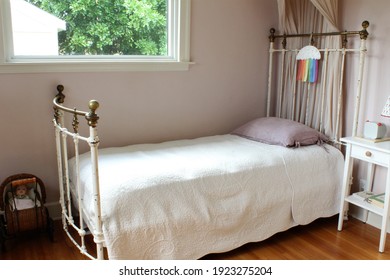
[(308, 58)]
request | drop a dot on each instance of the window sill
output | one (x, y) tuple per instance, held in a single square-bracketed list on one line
[(93, 66)]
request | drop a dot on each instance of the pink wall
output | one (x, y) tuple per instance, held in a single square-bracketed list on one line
[(225, 88), (376, 83)]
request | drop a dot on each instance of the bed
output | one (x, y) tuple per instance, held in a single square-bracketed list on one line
[(187, 198)]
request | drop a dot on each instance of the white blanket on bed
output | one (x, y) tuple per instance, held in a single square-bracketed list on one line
[(185, 199)]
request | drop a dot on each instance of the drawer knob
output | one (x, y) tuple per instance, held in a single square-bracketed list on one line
[(368, 154)]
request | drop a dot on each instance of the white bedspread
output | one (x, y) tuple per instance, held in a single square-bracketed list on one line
[(185, 199)]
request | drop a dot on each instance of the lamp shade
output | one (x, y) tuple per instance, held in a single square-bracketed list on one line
[(386, 109)]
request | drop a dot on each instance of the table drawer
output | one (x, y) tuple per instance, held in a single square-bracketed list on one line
[(369, 155)]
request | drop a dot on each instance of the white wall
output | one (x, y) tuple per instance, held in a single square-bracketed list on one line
[(225, 88)]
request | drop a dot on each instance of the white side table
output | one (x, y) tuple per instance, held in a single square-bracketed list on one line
[(373, 154)]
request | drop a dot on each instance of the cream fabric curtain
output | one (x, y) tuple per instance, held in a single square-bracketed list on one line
[(303, 101)]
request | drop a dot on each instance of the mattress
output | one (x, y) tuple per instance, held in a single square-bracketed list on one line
[(188, 198)]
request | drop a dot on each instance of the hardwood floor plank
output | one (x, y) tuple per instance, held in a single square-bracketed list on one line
[(319, 240)]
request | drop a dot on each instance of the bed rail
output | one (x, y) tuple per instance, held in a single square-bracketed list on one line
[(68, 212)]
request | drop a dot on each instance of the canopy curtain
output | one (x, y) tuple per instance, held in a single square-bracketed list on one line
[(302, 101)]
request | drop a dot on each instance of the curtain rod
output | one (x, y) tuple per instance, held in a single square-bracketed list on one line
[(363, 33)]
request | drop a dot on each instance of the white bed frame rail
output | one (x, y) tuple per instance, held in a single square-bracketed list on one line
[(68, 212)]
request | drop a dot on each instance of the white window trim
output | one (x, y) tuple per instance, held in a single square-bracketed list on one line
[(178, 59)]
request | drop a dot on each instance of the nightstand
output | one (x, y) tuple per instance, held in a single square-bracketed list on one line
[(374, 154)]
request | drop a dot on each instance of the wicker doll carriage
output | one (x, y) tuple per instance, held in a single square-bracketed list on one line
[(22, 202)]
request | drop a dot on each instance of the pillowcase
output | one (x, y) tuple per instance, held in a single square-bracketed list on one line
[(283, 132)]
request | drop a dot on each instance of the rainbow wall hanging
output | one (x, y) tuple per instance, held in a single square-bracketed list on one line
[(308, 64)]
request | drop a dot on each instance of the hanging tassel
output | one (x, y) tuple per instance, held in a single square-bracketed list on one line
[(302, 69), (307, 70), (313, 70)]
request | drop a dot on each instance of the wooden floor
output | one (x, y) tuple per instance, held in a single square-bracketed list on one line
[(317, 241)]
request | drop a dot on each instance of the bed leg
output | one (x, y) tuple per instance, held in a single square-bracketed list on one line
[(98, 239)]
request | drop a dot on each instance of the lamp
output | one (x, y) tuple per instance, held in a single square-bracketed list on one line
[(386, 109)]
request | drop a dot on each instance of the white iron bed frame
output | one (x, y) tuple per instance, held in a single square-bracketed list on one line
[(62, 133)]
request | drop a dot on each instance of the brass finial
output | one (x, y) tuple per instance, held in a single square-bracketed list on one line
[(363, 33), (75, 122), (272, 35), (93, 105), (91, 116), (60, 97)]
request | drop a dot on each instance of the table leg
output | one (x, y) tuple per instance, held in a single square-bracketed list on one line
[(368, 188), (385, 217)]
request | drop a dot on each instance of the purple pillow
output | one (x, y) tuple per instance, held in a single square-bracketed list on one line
[(277, 131)]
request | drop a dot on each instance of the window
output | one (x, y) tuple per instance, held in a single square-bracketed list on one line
[(43, 37)]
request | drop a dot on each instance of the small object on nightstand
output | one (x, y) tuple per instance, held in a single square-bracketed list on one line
[(374, 130), (378, 200), (363, 195)]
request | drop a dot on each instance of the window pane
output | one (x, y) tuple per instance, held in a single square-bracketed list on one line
[(90, 27)]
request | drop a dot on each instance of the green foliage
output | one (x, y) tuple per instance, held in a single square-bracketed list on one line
[(110, 27)]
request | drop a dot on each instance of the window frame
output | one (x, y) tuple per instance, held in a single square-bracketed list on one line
[(178, 58)]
